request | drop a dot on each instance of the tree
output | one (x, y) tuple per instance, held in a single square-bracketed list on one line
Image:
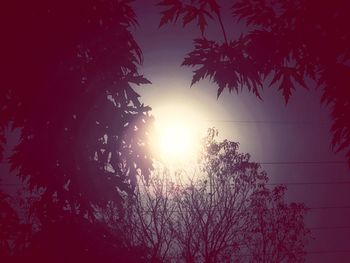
[(8, 224), (227, 214), (151, 215), (70, 69), (80, 240), (25, 239), (68, 87), (277, 228), (286, 44)]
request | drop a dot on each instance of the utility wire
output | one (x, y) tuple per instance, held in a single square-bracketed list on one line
[(318, 228), (307, 252), (329, 251), (303, 162), (328, 207), (276, 183), (267, 122), (311, 183), (272, 184), (309, 208), (329, 227)]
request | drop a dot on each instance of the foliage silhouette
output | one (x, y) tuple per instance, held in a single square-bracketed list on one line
[(83, 129), (68, 87), (25, 239), (82, 241), (9, 223), (287, 43), (225, 213)]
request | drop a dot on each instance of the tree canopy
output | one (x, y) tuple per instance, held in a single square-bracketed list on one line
[(285, 44), (8, 225), (69, 73), (70, 67)]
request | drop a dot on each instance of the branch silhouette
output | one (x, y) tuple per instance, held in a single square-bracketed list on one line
[(224, 211)]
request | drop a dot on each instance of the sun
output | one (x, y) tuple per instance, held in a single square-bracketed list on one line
[(176, 140), (177, 133)]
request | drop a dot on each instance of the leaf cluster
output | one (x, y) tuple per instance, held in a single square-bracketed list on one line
[(285, 44), (189, 11)]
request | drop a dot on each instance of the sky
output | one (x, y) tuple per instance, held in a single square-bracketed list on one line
[(291, 141)]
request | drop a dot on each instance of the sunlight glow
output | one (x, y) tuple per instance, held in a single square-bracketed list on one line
[(177, 134), (175, 140)]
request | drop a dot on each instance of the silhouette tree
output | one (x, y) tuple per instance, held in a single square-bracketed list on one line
[(8, 224), (24, 238), (79, 240), (226, 214), (277, 228), (286, 44), (152, 215), (68, 87)]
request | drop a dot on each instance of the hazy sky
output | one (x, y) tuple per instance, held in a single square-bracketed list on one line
[(269, 130)]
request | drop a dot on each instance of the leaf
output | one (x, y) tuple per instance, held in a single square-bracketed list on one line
[(191, 14), (202, 23), (214, 6), (137, 79), (220, 90), (285, 75), (276, 77), (171, 14), (198, 75), (195, 10), (295, 74), (286, 87), (254, 12)]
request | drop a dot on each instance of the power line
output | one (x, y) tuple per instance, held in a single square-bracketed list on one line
[(267, 254), (303, 162), (311, 183), (272, 184), (329, 227), (266, 122), (328, 251), (328, 207), (309, 208), (269, 183)]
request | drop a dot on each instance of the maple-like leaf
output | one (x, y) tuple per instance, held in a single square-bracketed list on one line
[(225, 65), (137, 79), (213, 4), (175, 8), (190, 11), (254, 12), (286, 77), (290, 40)]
